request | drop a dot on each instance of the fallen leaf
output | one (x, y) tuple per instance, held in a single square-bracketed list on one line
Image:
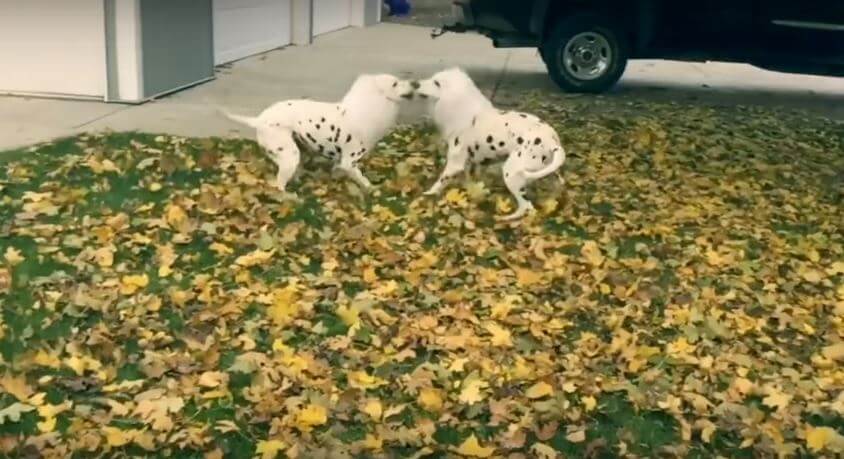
[(472, 448), (539, 390)]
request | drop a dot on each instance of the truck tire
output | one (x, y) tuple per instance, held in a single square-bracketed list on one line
[(585, 53)]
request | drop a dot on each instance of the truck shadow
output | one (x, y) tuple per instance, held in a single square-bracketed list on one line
[(776, 91)]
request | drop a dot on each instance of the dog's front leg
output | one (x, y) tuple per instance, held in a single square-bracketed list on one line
[(455, 164), (351, 169)]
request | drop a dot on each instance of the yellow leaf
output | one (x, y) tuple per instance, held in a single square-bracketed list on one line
[(543, 451), (577, 436), (132, 283), (116, 438), (166, 257), (269, 449), (777, 399), (285, 305), (589, 403), (311, 416), (369, 275), (13, 256), (350, 315), (471, 391), (836, 268), (104, 256), (472, 448), (373, 408), (47, 425), (372, 442), (500, 335), (456, 196), (213, 378), (592, 253), (818, 438), (255, 258), (221, 249), (539, 390), (176, 217), (16, 386), (834, 351), (526, 277), (430, 399), (362, 380), (503, 205)]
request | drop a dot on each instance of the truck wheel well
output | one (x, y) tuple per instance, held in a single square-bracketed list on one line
[(633, 19)]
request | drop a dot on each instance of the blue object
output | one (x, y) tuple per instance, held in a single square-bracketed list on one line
[(398, 7)]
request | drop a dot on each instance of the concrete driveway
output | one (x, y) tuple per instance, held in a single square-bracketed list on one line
[(325, 69)]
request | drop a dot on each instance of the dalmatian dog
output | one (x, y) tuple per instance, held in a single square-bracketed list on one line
[(344, 131), (476, 132)]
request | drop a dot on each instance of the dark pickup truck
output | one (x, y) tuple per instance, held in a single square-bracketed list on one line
[(586, 43)]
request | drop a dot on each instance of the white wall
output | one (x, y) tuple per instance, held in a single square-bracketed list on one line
[(246, 27), (53, 46), (331, 15)]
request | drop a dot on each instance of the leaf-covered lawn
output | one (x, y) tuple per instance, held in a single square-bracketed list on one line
[(682, 294)]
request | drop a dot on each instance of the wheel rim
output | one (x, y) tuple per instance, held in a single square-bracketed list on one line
[(587, 56)]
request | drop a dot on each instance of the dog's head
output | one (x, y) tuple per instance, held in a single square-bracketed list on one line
[(393, 88), (441, 84)]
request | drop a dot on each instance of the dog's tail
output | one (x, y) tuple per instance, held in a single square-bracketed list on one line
[(247, 120), (556, 162)]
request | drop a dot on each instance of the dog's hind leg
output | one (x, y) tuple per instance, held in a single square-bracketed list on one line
[(455, 164), (517, 184)]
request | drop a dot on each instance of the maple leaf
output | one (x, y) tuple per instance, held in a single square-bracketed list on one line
[(132, 283), (539, 390), (430, 399), (14, 411), (373, 408), (16, 386), (269, 449), (820, 438), (254, 258), (363, 380), (578, 436), (527, 277), (284, 306), (213, 379), (500, 336), (311, 416), (13, 256), (471, 390), (592, 253), (834, 351), (471, 447)]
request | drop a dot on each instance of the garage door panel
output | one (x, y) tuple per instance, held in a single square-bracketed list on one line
[(53, 46), (331, 15), (246, 27)]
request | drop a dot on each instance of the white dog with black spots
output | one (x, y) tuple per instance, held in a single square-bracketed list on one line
[(344, 131), (476, 131)]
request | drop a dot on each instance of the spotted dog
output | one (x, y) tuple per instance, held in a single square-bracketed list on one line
[(477, 132), (344, 132)]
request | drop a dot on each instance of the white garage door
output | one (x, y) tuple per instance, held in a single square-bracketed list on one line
[(246, 27), (53, 46), (331, 15)]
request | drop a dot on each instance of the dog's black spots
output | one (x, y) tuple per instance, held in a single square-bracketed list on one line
[(533, 157), (537, 141), (322, 120), (492, 147), (348, 138), (321, 148), (311, 121), (276, 124), (339, 150), (336, 135), (436, 83), (456, 141), (331, 128), (544, 158), (500, 144), (506, 124), (522, 191), (520, 140), (310, 137), (317, 126), (289, 104), (489, 139), (474, 119), (395, 83), (522, 115), (279, 149), (519, 154), (506, 174)]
